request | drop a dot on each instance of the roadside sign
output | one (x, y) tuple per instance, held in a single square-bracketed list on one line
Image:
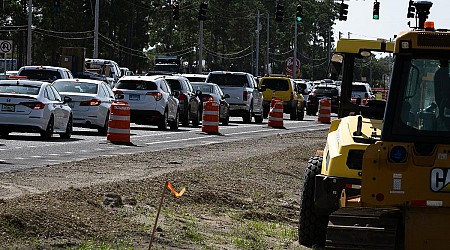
[(6, 46), (290, 64)]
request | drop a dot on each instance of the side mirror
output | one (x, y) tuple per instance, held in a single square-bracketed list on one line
[(67, 99), (176, 93), (120, 96), (226, 96), (198, 92), (334, 69), (263, 88)]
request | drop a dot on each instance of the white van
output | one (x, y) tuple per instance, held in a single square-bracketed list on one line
[(109, 68)]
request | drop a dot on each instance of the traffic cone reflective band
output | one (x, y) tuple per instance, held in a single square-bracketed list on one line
[(363, 101), (324, 111), (119, 122), (276, 113), (210, 117)]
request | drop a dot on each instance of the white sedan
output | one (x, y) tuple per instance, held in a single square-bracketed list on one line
[(91, 101), (33, 106)]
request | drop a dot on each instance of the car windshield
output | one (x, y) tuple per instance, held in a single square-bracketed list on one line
[(195, 79), (326, 91), (136, 85), (20, 89), (203, 88), (276, 84), (76, 87), (39, 74), (174, 84), (233, 80), (359, 88)]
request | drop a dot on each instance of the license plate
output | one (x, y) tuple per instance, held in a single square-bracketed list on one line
[(134, 97), (7, 107)]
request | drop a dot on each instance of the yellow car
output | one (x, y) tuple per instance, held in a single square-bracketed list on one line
[(280, 86)]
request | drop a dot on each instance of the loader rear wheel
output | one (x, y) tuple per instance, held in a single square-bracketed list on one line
[(312, 229)]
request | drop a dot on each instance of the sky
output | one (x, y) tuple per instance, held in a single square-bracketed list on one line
[(392, 18)]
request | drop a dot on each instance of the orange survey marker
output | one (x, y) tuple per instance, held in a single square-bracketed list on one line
[(173, 190)]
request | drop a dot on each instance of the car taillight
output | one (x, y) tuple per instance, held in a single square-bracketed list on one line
[(207, 98), (366, 96), (33, 105), (182, 98), (245, 96), (312, 94), (157, 95), (93, 102)]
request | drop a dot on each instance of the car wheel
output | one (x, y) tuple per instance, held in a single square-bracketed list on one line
[(69, 129), (259, 119), (186, 119), (163, 122), (301, 114), (196, 121), (48, 133), (174, 125), (293, 115), (312, 227), (104, 130), (247, 117)]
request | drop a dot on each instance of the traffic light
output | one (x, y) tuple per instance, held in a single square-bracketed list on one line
[(87, 7), (411, 9), (57, 5), (175, 10), (376, 10), (343, 11), (202, 11), (299, 13), (279, 13)]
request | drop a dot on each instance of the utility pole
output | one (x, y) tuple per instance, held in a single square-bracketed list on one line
[(29, 34), (268, 46), (329, 45), (257, 44), (96, 17)]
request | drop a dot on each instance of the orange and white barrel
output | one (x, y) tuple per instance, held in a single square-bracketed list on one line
[(119, 122), (324, 111), (276, 113), (210, 117)]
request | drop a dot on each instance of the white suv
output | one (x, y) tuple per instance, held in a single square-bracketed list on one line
[(151, 100), (109, 68), (45, 73), (245, 100), (361, 93)]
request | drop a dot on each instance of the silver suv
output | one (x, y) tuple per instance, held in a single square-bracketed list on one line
[(45, 73), (245, 100), (151, 100)]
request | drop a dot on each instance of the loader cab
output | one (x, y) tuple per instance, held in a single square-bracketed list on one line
[(349, 53)]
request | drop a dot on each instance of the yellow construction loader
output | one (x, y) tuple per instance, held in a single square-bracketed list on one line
[(383, 178)]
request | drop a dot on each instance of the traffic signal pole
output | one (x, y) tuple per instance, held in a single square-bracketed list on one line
[(294, 66), (257, 45), (200, 49)]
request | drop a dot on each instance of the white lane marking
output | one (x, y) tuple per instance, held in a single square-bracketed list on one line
[(19, 158), (54, 154), (18, 147), (68, 152), (36, 156), (3, 149)]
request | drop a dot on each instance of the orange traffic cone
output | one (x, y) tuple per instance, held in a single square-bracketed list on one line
[(119, 123), (276, 113), (324, 111), (210, 117)]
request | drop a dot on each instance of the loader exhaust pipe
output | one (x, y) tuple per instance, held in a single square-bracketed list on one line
[(358, 127)]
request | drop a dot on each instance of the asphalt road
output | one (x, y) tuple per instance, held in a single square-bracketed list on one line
[(24, 151)]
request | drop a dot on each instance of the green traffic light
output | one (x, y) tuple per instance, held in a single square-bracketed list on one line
[(376, 17), (299, 19)]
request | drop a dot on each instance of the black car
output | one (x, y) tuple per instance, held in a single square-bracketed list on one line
[(333, 92), (189, 102)]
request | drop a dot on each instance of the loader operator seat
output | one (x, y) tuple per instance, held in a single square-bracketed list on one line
[(442, 93)]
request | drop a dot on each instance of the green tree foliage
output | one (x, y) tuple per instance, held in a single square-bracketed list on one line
[(132, 32)]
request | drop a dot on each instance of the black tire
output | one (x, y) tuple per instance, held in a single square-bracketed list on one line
[(174, 125), (4, 133), (312, 229), (196, 121), (247, 117), (163, 122), (104, 130), (48, 133), (186, 118), (301, 114), (69, 129)]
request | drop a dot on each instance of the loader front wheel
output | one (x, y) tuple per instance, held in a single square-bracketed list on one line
[(312, 227)]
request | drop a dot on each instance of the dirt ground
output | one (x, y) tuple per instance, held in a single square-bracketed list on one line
[(240, 195)]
